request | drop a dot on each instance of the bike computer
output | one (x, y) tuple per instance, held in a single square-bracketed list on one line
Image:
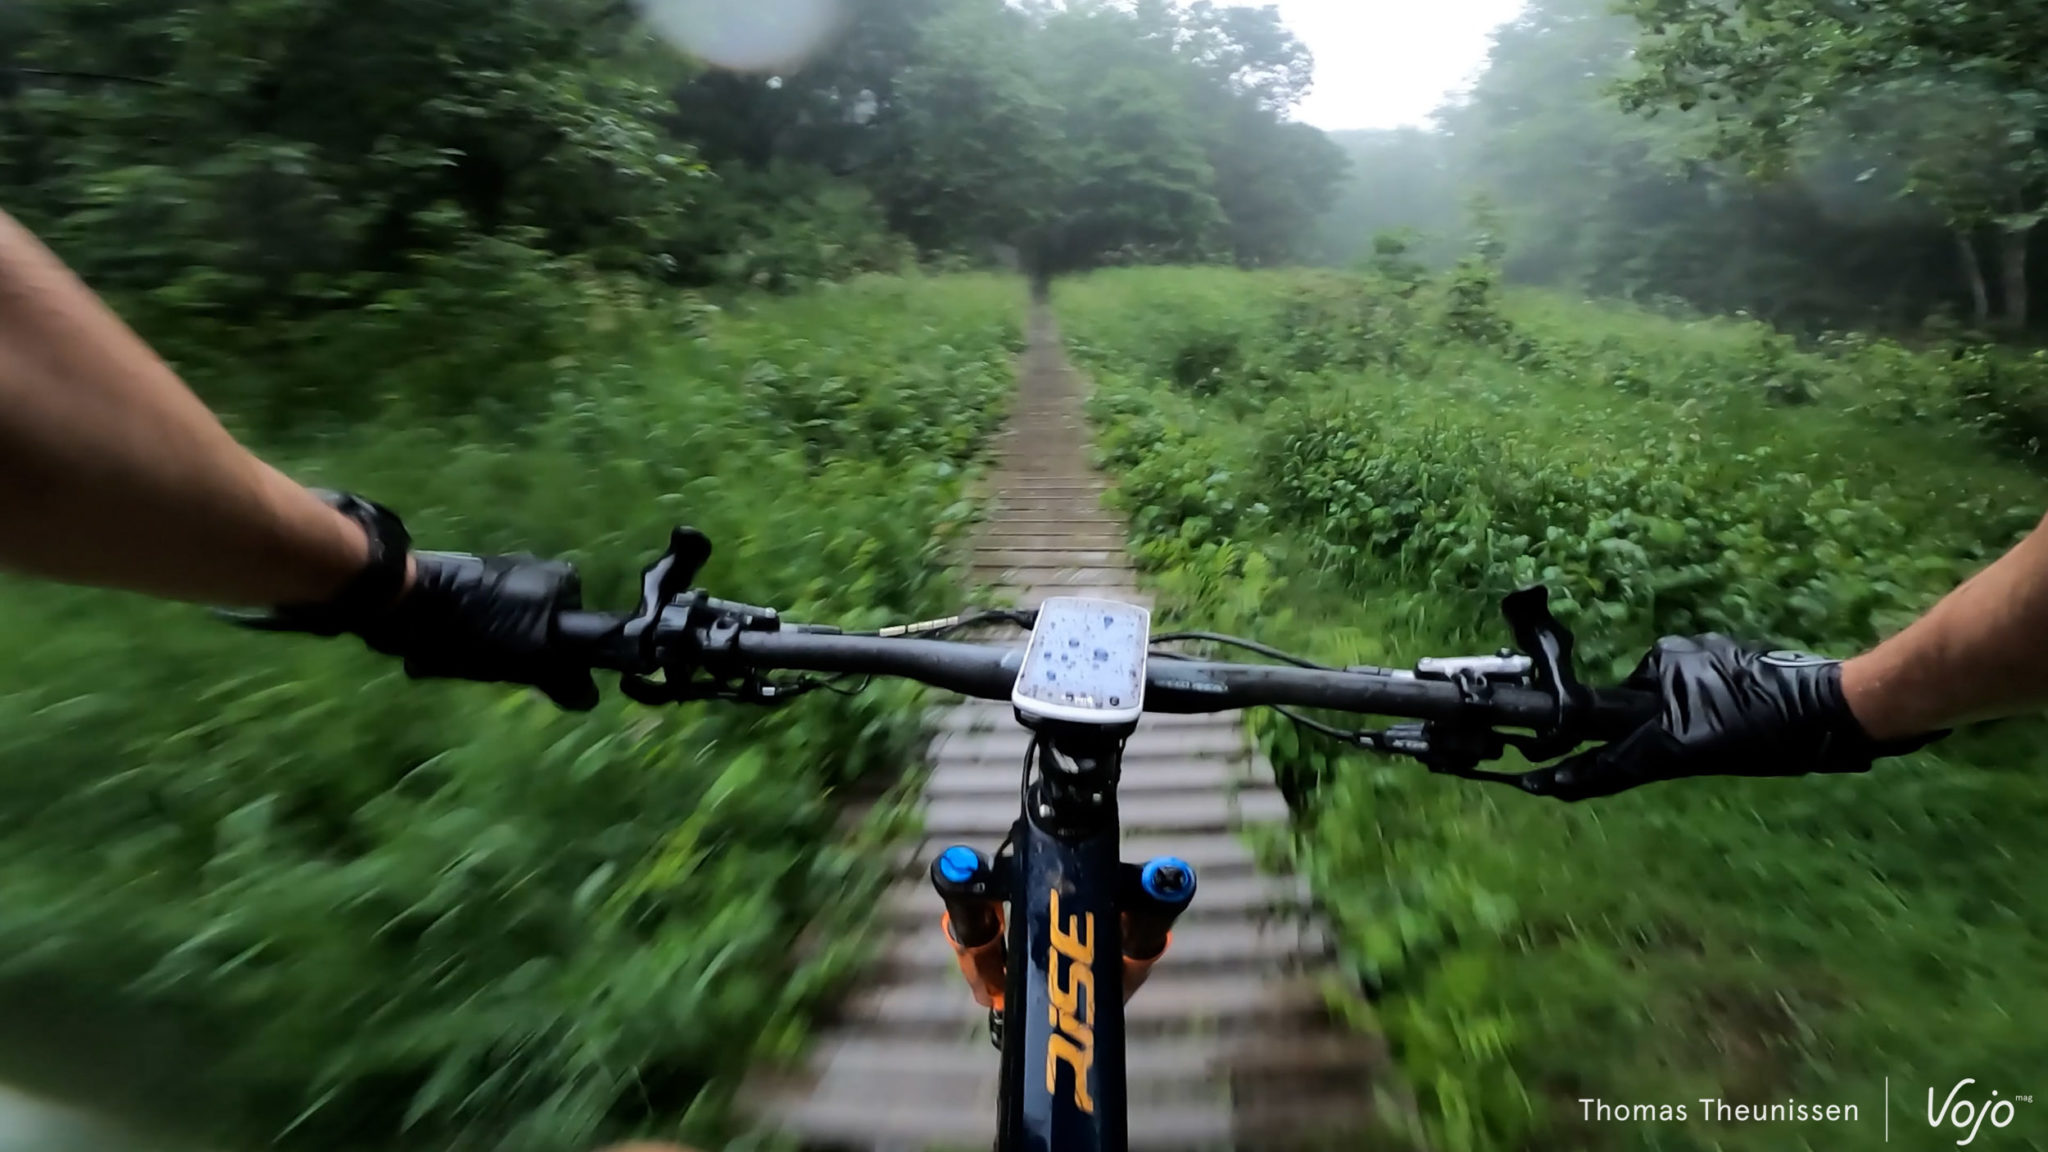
[(1086, 662)]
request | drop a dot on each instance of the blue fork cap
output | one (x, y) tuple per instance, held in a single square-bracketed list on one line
[(1169, 879), (959, 864)]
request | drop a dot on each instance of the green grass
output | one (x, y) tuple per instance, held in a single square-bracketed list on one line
[(344, 910), (1356, 481)]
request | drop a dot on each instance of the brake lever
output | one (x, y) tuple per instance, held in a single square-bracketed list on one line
[(1548, 644), (666, 582), (710, 627), (1546, 663)]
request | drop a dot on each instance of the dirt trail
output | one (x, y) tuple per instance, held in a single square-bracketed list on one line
[(1230, 1045)]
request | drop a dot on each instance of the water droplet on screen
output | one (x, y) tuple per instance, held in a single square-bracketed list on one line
[(755, 36)]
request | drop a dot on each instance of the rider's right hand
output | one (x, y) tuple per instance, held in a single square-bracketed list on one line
[(1726, 711), (484, 618)]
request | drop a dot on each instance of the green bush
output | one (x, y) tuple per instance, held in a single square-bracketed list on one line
[(786, 229), (241, 159), (492, 328), (1751, 940), (1642, 532), (395, 914)]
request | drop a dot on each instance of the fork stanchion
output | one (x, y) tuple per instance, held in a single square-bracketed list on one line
[(973, 921), (1165, 888)]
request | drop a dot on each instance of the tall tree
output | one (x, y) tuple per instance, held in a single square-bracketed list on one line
[(974, 156), (248, 152), (1245, 72), (1134, 180), (1947, 94), (1622, 205)]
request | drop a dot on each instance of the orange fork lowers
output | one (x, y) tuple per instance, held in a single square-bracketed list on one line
[(983, 964), (1137, 969), (987, 971), (973, 920)]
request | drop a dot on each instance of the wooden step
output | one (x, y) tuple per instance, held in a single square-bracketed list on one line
[(1054, 580), (840, 1123), (1096, 521), (1157, 1070), (1032, 539), (1022, 488), (1171, 1003), (1209, 853), (1152, 742), (1033, 597), (1048, 557), (999, 778), (1145, 810), (990, 715), (968, 818)]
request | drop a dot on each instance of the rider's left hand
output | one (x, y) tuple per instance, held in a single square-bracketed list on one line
[(485, 618)]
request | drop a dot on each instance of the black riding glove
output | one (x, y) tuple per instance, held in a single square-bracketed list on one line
[(1727, 711), (464, 618), (485, 618)]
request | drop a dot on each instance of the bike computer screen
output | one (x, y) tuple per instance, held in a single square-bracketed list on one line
[(1085, 662)]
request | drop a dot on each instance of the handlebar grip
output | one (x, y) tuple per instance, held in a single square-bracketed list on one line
[(596, 639), (1616, 712)]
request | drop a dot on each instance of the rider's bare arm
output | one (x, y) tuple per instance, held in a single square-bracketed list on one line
[(1975, 655), (113, 473)]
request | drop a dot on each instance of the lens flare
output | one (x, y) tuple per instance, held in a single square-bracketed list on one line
[(745, 35)]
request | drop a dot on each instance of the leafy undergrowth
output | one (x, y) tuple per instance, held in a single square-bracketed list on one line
[(358, 911), (1357, 468)]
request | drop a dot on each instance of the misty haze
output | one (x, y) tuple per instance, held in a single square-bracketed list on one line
[(673, 575)]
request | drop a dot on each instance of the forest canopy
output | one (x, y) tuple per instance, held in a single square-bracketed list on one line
[(258, 155), (1814, 164)]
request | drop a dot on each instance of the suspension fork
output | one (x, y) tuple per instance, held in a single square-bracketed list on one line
[(1083, 932), (974, 889)]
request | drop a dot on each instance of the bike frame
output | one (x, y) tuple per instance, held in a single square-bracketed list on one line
[(1063, 1036)]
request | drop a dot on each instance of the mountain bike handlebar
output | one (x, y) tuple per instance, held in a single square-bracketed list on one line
[(685, 645), (609, 641)]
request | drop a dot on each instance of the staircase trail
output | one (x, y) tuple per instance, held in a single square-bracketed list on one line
[(1230, 1045)]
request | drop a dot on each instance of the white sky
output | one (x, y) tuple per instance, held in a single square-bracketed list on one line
[(1386, 63)]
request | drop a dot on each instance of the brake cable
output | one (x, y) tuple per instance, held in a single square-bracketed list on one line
[(1450, 750), (1025, 618), (1240, 642), (1360, 737)]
